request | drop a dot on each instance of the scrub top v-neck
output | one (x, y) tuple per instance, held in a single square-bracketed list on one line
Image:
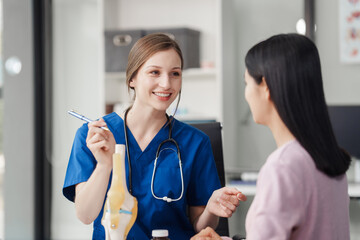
[(199, 175)]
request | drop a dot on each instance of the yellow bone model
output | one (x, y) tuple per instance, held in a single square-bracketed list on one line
[(120, 209)]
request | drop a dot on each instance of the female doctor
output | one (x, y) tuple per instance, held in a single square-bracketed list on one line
[(181, 197)]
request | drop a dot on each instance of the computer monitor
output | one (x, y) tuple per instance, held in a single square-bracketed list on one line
[(346, 124)]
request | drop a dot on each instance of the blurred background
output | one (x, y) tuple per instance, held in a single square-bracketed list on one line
[(58, 55)]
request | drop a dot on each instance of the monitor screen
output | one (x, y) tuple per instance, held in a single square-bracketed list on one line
[(346, 124)]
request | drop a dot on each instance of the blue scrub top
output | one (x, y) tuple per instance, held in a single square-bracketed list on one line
[(199, 173)]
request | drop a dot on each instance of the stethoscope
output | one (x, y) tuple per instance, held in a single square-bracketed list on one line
[(158, 152)]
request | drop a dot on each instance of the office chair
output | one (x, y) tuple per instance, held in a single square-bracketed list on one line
[(213, 130)]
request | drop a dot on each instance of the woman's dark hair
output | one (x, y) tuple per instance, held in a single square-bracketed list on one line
[(290, 65)]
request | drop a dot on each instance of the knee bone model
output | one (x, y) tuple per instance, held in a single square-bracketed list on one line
[(120, 208)]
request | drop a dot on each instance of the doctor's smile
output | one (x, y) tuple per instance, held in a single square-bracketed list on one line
[(163, 96)]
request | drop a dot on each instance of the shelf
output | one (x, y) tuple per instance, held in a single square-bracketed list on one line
[(250, 188)]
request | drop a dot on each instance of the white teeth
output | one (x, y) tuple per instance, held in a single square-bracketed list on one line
[(162, 94)]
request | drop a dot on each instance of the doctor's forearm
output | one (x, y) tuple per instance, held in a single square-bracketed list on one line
[(90, 197), (206, 219)]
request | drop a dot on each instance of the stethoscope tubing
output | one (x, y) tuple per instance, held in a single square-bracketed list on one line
[(158, 152), (165, 198), (127, 151)]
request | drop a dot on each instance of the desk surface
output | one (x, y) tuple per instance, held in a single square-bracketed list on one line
[(354, 190), (250, 188)]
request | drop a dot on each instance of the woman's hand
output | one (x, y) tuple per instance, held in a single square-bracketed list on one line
[(206, 234), (101, 143), (224, 201)]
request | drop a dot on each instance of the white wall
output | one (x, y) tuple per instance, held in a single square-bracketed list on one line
[(256, 21), (78, 84), (341, 81)]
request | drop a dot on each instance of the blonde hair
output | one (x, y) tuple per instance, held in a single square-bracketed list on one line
[(143, 49)]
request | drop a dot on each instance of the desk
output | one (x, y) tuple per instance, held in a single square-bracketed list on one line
[(249, 189), (354, 190)]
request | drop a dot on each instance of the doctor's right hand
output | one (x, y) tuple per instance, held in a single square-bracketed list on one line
[(100, 142)]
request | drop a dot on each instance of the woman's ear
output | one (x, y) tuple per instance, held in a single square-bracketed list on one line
[(132, 83), (266, 88)]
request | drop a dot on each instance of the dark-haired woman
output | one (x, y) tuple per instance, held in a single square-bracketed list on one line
[(302, 190)]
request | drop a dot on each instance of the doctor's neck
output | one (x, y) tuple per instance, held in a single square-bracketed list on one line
[(140, 115)]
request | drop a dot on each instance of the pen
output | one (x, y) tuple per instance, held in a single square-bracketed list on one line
[(81, 117)]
